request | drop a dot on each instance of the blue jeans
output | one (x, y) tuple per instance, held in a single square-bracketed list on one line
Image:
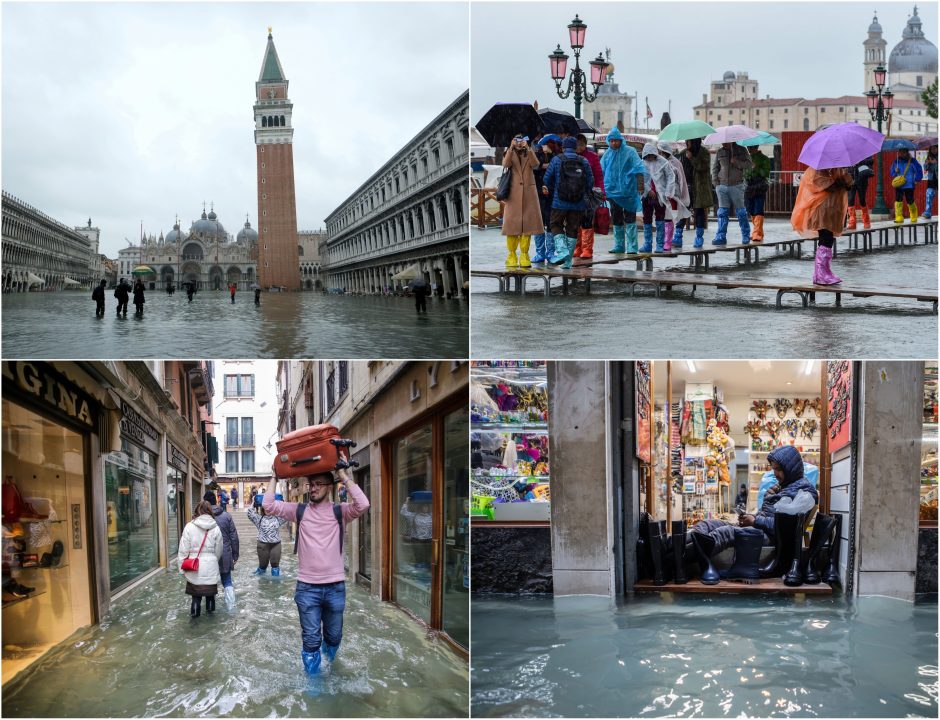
[(321, 604), (729, 195), (931, 194), (227, 580)]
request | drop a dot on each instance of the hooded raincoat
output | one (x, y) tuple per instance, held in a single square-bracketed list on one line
[(821, 202), (201, 581), (682, 189), (663, 177), (522, 212), (230, 538), (789, 458), (621, 168)]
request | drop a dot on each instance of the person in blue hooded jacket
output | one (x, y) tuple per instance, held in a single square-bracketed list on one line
[(787, 464), (906, 166), (567, 181), (622, 166)]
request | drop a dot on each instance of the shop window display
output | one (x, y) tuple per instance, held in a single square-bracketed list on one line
[(928, 470), (456, 606), (46, 586), (415, 522), (509, 448)]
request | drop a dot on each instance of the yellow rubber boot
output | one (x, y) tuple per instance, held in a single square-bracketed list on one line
[(512, 243), (524, 261), (898, 213), (912, 213)]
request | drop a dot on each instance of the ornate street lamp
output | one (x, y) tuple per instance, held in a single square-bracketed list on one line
[(577, 82), (880, 104)]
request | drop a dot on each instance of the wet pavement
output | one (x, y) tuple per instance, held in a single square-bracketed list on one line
[(150, 658), (739, 323), (703, 656), (286, 325)]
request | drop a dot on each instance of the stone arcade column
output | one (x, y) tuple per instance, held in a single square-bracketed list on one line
[(582, 526), (458, 271)]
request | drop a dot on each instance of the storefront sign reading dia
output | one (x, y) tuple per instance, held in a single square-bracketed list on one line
[(139, 430), (43, 384), (176, 457)]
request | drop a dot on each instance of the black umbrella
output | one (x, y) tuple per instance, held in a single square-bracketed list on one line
[(559, 121), (504, 121), (585, 127)]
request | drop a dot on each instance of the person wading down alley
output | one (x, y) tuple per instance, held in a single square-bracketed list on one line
[(321, 579), (202, 540), (230, 550)]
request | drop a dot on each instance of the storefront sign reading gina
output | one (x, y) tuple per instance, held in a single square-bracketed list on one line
[(176, 457), (135, 428), (43, 384)]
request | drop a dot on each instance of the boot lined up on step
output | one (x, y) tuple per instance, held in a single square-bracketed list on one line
[(699, 238), (785, 527), (586, 240), (794, 576), (561, 249), (571, 242), (721, 234), (647, 239), (748, 542), (823, 526), (898, 213), (660, 235), (704, 545), (632, 243), (678, 552), (541, 255), (745, 226), (677, 237), (669, 232), (912, 213), (658, 551), (832, 574)]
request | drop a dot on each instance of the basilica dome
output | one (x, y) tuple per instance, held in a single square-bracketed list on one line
[(208, 225), (247, 234), (914, 53), (175, 235)]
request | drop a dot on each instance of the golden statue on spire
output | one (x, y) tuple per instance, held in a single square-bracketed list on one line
[(269, 29)]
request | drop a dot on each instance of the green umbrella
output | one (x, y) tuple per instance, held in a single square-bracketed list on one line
[(142, 270), (765, 138), (674, 132)]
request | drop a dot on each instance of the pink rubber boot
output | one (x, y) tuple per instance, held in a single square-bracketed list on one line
[(670, 231), (822, 273)]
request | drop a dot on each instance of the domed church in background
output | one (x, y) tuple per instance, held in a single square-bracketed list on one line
[(912, 63)]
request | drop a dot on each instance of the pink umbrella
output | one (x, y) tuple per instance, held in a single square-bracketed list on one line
[(840, 145), (730, 134)]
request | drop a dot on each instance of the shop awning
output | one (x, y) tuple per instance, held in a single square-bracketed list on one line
[(70, 281), (412, 272), (34, 279)]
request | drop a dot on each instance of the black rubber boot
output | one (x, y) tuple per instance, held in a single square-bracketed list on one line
[(794, 577), (748, 543), (644, 562), (783, 553), (822, 532), (832, 575), (195, 606), (703, 546), (210, 604), (678, 551), (658, 551)]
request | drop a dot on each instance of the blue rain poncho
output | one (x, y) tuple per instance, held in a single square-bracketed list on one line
[(621, 167)]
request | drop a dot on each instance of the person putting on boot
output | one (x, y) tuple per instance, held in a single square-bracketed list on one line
[(321, 577), (622, 167), (710, 537)]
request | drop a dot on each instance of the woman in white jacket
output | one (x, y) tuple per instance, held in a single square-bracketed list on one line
[(203, 583)]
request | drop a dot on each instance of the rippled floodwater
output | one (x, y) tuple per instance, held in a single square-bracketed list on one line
[(703, 656), (287, 325), (151, 659), (738, 323)]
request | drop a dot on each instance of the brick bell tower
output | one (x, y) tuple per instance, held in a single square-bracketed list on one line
[(278, 257)]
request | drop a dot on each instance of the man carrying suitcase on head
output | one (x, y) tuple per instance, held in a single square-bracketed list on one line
[(321, 577)]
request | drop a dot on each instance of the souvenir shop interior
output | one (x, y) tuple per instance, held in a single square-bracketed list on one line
[(928, 470), (712, 426), (509, 453)]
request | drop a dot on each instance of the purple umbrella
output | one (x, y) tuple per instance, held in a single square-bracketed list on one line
[(840, 145), (925, 141), (730, 134)]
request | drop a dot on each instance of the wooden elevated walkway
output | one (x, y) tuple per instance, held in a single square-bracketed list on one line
[(774, 585), (660, 280)]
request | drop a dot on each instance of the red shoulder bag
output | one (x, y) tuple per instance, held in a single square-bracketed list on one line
[(192, 564)]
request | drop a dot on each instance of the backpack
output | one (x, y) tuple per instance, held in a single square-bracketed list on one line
[(337, 513), (571, 180)]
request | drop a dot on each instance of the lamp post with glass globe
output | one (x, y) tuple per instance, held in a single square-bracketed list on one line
[(577, 82), (880, 104)]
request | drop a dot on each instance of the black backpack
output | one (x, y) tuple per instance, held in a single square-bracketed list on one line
[(337, 513), (571, 180)]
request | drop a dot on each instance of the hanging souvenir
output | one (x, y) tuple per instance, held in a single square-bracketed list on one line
[(816, 404), (760, 408), (773, 427), (753, 428), (781, 405), (799, 407), (793, 427), (810, 427)]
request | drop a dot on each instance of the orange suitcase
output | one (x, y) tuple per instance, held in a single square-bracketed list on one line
[(312, 450)]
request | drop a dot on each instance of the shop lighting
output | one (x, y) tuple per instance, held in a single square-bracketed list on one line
[(808, 368), (691, 365)]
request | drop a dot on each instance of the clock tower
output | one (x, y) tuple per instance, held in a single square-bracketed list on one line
[(278, 256)]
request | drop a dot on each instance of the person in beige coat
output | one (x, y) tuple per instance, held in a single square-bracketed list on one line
[(522, 214)]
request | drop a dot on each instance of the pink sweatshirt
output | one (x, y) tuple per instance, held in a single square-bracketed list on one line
[(319, 558)]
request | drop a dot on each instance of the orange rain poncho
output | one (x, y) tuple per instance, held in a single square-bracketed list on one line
[(821, 203)]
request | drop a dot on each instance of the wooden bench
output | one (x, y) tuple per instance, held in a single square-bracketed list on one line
[(661, 280)]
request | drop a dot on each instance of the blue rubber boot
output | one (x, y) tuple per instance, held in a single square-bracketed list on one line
[(561, 250), (260, 571), (647, 239), (699, 237), (677, 237), (311, 661), (721, 236), (620, 232), (330, 651), (660, 235), (632, 247), (572, 241), (745, 226), (540, 255), (276, 572)]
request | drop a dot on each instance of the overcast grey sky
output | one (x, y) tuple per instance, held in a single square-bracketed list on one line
[(130, 112), (673, 50)]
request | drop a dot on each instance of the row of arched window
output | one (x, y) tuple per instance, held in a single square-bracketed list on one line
[(273, 121)]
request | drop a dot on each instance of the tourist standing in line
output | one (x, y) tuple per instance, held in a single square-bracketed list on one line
[(819, 211), (905, 165), (122, 293), (696, 162), (584, 248), (623, 169), (679, 202), (755, 193), (522, 214), (656, 205), (930, 170), (731, 162), (139, 296), (568, 181), (229, 550), (201, 539), (545, 150), (98, 296), (858, 194)]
